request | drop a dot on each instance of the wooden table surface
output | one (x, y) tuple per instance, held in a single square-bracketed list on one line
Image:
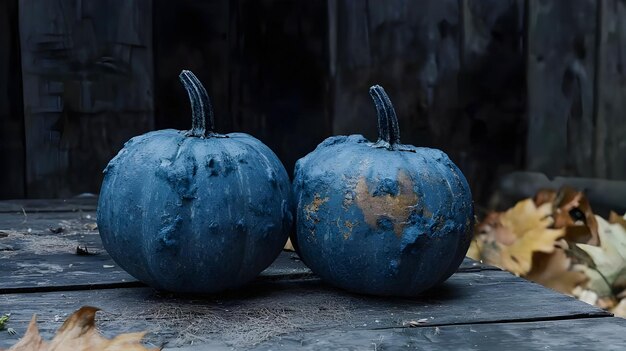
[(286, 308)]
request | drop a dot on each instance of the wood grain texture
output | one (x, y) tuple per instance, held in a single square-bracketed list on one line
[(279, 307), (278, 74), (38, 252), (560, 86), (582, 334), (87, 71), (490, 139), (11, 113), (88, 203), (35, 258), (191, 35), (610, 126), (408, 47)]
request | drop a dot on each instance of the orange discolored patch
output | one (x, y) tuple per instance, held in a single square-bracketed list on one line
[(396, 208), (346, 229), (311, 209)]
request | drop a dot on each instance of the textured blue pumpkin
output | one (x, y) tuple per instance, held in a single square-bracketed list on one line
[(194, 211), (381, 218)]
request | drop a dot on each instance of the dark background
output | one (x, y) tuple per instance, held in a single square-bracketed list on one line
[(533, 85)]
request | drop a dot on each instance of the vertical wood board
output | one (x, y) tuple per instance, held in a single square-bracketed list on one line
[(279, 74), (408, 47), (191, 35), (492, 92), (610, 137), (87, 73), (561, 76), (11, 113)]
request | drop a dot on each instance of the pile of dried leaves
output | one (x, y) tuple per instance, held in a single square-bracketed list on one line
[(556, 240), (78, 333)]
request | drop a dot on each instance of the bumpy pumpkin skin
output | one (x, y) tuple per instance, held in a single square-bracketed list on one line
[(379, 221), (194, 214)]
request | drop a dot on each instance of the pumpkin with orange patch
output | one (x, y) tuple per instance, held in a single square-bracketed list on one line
[(381, 218)]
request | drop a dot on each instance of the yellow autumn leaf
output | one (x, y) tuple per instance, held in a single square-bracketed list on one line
[(525, 216), (78, 333), (553, 271), (517, 258), (508, 240), (474, 251), (609, 258)]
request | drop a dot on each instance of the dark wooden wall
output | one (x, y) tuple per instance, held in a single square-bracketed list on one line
[(501, 85), (454, 69), (12, 177), (88, 87), (279, 74)]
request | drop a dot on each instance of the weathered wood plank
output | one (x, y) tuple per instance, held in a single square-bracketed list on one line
[(279, 74), (11, 114), (492, 92), (408, 47), (34, 258), (610, 132), (561, 63), (191, 35), (271, 308), (581, 334), (75, 204), (88, 88)]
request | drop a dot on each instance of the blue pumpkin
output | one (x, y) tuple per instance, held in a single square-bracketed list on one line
[(194, 211), (381, 218)]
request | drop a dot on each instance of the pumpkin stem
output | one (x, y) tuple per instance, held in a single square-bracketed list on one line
[(200, 105), (388, 129)]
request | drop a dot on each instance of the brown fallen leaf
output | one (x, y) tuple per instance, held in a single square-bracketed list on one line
[(525, 216), (78, 333), (544, 196), (553, 270), (571, 210), (509, 239)]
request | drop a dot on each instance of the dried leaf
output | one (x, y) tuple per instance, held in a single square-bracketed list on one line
[(544, 196), (288, 245), (586, 296), (614, 218), (413, 324), (609, 259), (31, 341), (517, 258), (571, 210), (553, 271), (508, 240), (525, 217), (78, 333), (620, 309), (606, 302), (474, 251)]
